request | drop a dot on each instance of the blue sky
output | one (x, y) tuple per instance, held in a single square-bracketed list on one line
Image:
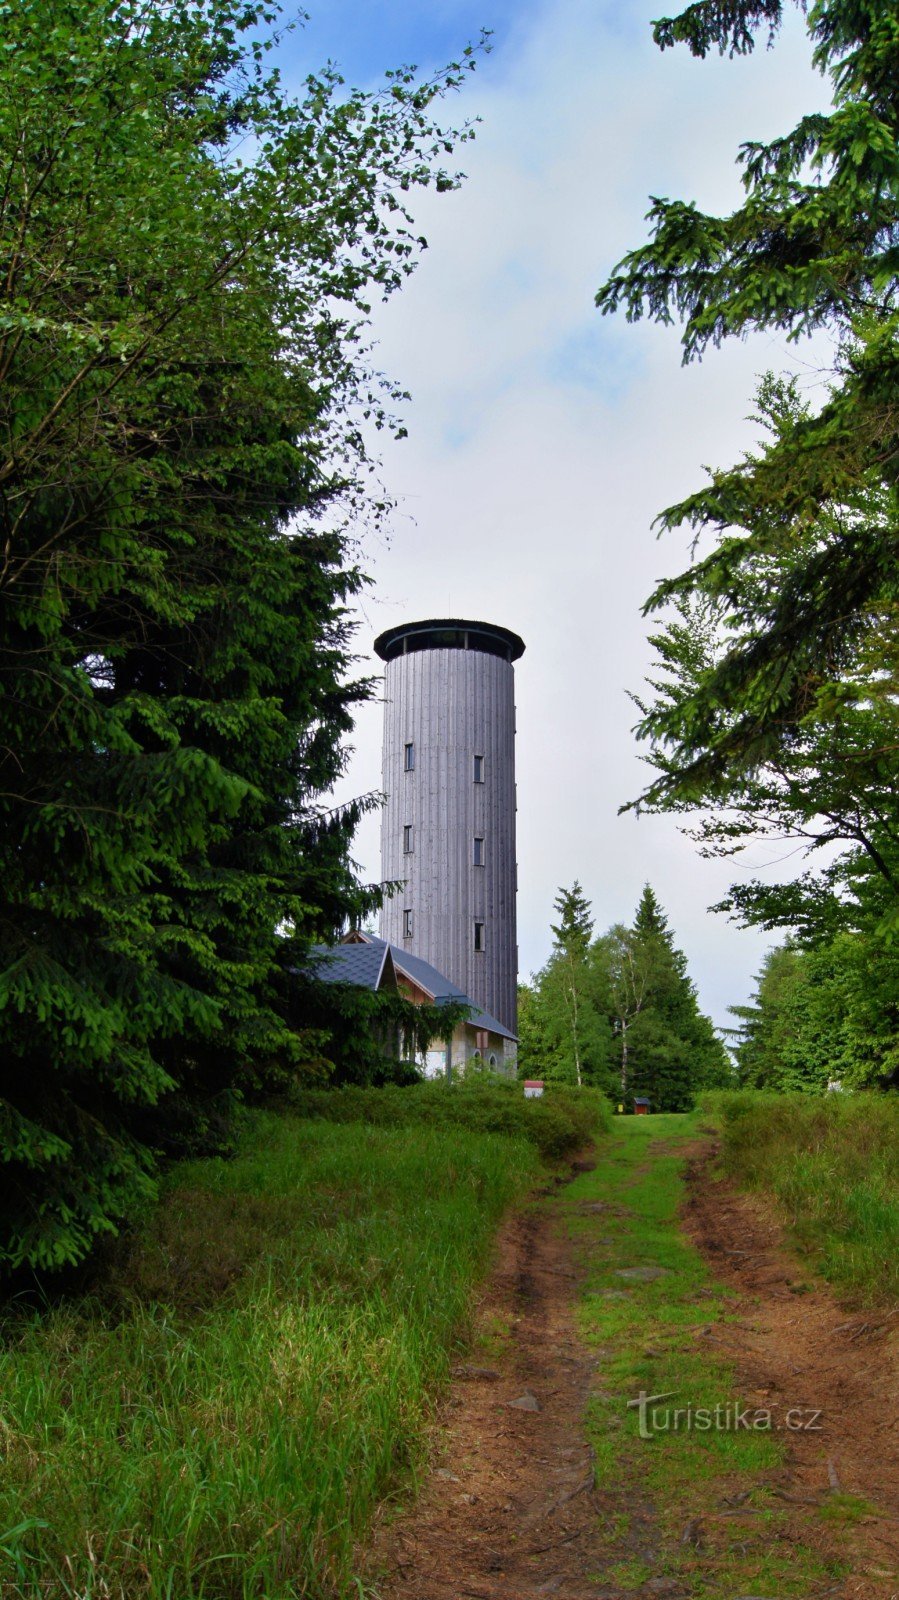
[(364, 39), (543, 439)]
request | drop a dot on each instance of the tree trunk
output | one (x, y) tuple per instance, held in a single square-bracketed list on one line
[(577, 1056), (623, 1058)]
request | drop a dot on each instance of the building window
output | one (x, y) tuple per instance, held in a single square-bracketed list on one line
[(478, 852), (407, 924), (479, 769), (409, 758), (479, 936), (407, 839)]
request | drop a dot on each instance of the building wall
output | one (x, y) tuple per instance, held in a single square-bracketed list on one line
[(452, 705), (498, 1055)]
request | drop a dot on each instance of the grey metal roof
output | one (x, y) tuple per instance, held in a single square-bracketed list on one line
[(437, 625), (435, 984)]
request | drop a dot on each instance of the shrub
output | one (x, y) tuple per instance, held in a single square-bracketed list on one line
[(559, 1121)]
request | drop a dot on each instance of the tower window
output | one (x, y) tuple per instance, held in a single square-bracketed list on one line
[(479, 769), (409, 758), (407, 924), (478, 852), (407, 839), (479, 936)]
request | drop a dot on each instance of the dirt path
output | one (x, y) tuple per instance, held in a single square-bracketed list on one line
[(795, 1346), (509, 1510)]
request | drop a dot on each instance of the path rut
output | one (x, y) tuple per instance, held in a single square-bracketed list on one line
[(510, 1511)]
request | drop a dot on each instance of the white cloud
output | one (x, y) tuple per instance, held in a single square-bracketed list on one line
[(544, 439)]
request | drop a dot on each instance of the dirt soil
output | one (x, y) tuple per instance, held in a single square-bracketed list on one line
[(795, 1346), (509, 1511)]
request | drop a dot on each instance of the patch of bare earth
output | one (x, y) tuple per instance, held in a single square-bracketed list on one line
[(795, 1348), (509, 1512)]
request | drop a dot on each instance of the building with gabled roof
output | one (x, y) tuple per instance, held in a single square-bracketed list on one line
[(373, 963)]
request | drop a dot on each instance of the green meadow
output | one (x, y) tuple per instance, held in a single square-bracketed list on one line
[(254, 1370), (832, 1163)]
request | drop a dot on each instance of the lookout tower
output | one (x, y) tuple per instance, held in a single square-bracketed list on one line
[(448, 825)]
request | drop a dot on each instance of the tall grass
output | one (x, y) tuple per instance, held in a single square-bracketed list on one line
[(833, 1164), (222, 1416), (562, 1120)]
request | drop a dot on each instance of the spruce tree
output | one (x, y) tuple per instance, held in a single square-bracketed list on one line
[(822, 1014), (667, 1049), (564, 1034), (189, 257), (571, 935), (794, 714)]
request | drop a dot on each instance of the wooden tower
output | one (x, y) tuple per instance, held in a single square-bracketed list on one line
[(448, 825)]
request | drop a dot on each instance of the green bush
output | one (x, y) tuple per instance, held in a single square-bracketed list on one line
[(832, 1162), (559, 1121)]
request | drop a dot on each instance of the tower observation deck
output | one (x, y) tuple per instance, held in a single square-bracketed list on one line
[(448, 825)]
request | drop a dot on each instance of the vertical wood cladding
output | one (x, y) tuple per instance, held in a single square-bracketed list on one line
[(453, 705)]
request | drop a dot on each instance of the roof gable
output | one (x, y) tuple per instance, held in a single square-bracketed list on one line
[(367, 954), (364, 964)]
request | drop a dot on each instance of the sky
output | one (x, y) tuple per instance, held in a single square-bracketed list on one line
[(543, 438)]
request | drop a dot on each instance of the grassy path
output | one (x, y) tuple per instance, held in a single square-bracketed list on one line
[(554, 1480), (508, 1511)]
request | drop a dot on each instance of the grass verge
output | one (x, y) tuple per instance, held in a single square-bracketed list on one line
[(832, 1163), (221, 1418), (689, 1503)]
